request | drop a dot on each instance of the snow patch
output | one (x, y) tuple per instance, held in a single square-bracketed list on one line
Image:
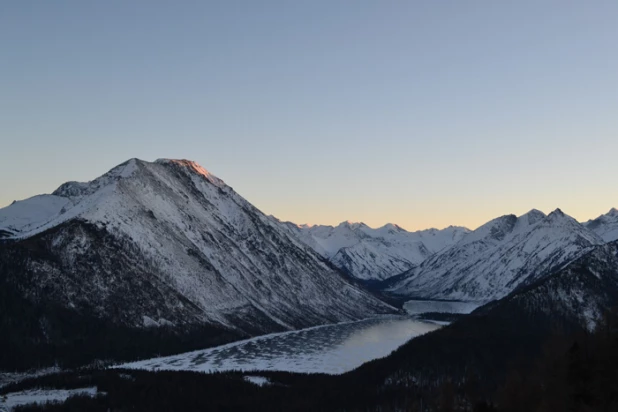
[(11, 400), (257, 380)]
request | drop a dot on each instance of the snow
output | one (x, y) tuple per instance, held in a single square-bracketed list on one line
[(41, 396), (257, 380), (195, 167), (149, 322), (371, 254), (499, 256), (12, 377), (195, 237), (29, 214), (605, 225), (332, 349)]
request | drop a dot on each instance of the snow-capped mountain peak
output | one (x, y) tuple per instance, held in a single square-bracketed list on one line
[(371, 254), (534, 216), (189, 235), (80, 189), (192, 168), (557, 213), (499, 256), (605, 225), (493, 231), (352, 225), (391, 228)]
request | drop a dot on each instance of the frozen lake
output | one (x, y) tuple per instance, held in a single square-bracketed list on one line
[(331, 349)]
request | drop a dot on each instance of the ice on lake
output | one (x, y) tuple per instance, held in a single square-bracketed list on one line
[(331, 349)]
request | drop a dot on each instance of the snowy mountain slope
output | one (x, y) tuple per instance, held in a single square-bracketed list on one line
[(579, 293), (605, 225), (375, 254), (26, 215), (514, 328), (498, 257), (167, 243)]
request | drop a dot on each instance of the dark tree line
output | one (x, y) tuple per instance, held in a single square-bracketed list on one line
[(48, 334), (575, 372), (38, 330)]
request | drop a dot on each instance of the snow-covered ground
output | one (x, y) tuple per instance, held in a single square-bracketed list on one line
[(15, 399), (331, 349), (415, 307), (605, 225), (257, 380), (12, 377)]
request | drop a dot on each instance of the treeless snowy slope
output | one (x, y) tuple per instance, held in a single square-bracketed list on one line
[(30, 214), (605, 225), (498, 257), (10, 401), (375, 254)]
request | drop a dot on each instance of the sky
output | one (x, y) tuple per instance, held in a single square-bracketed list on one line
[(420, 113)]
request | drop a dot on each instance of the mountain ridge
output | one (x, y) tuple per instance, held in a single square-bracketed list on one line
[(179, 231), (374, 254), (496, 258)]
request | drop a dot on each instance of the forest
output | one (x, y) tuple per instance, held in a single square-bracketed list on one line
[(575, 372)]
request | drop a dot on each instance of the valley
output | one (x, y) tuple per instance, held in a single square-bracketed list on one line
[(330, 349), (159, 272)]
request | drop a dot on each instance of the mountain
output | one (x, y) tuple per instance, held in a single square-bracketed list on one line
[(375, 254), (498, 257), (579, 294), (510, 331), (605, 226), (530, 351), (166, 244)]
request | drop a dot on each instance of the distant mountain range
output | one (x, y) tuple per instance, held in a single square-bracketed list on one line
[(606, 226), (456, 263), (495, 259), (375, 254)]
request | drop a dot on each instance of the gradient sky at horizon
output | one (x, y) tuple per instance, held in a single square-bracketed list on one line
[(424, 114)]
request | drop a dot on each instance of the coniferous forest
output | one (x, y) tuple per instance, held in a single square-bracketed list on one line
[(574, 372)]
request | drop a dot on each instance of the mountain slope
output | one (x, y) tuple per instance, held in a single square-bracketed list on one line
[(525, 337), (169, 244), (578, 294), (498, 257), (375, 254), (486, 343), (606, 226)]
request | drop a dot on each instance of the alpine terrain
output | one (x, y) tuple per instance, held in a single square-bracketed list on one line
[(605, 225), (375, 254), (498, 257), (159, 245)]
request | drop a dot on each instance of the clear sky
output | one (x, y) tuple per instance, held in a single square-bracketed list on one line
[(421, 113)]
